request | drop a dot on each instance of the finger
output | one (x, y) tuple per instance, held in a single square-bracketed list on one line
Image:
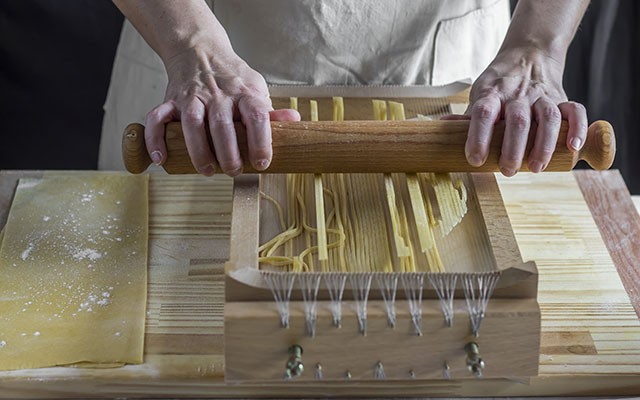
[(223, 136), (517, 117), (548, 118), (195, 137), (154, 131), (284, 115), (484, 114), (254, 112), (576, 114)]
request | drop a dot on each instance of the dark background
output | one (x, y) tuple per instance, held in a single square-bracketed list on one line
[(56, 59)]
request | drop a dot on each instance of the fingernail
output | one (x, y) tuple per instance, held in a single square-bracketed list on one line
[(475, 160), (535, 166), (235, 172), (262, 164), (507, 172), (156, 157), (207, 170), (576, 143)]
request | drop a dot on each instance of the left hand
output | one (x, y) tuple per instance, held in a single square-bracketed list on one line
[(521, 86)]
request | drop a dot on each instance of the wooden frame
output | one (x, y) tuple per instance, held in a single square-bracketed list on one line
[(256, 346), (589, 339)]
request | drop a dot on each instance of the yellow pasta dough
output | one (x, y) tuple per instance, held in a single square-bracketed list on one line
[(73, 263)]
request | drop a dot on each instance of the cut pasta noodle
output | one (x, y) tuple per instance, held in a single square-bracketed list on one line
[(363, 222), (313, 107), (338, 109)]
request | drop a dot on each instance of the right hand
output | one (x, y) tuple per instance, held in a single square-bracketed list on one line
[(215, 91)]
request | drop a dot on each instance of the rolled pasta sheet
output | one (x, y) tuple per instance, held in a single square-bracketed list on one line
[(73, 262)]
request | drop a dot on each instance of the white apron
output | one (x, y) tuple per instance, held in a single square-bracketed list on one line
[(321, 42)]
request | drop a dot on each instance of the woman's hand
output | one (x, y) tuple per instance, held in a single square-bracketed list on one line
[(209, 87), (213, 92), (522, 86)]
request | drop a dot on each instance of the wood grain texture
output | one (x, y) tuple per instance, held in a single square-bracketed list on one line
[(520, 279), (609, 200), (373, 147), (399, 349), (244, 242), (590, 333), (503, 242)]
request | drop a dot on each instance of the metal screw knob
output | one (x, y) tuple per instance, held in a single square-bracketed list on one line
[(294, 367), (475, 363)]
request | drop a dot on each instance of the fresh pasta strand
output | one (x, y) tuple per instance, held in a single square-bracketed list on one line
[(361, 218)]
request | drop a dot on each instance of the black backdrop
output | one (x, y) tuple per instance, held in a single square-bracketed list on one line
[(55, 65), (56, 59)]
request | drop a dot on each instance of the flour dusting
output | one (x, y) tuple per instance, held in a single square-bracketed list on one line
[(102, 300), (25, 254), (90, 254), (28, 183)]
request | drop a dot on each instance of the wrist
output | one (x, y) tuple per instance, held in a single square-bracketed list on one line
[(552, 48), (545, 26), (202, 43)]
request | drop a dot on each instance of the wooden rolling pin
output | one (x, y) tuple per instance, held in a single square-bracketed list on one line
[(371, 146)]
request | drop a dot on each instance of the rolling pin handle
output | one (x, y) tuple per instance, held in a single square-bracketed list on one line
[(134, 151), (599, 149)]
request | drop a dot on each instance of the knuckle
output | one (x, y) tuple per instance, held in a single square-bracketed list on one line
[(153, 117), (235, 83), (192, 116), (578, 107), (481, 141), (257, 115), (253, 90), (582, 129), (482, 110), (551, 113), (547, 149), (217, 116), (154, 142), (519, 120), (543, 154), (233, 86), (216, 91)]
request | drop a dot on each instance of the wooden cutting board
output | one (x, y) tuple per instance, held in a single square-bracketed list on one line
[(591, 333)]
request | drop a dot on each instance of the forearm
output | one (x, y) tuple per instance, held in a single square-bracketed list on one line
[(171, 27), (545, 25)]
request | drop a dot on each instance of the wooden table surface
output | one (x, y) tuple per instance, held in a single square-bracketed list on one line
[(590, 331)]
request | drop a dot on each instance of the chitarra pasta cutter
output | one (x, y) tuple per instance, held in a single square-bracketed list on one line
[(301, 318)]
